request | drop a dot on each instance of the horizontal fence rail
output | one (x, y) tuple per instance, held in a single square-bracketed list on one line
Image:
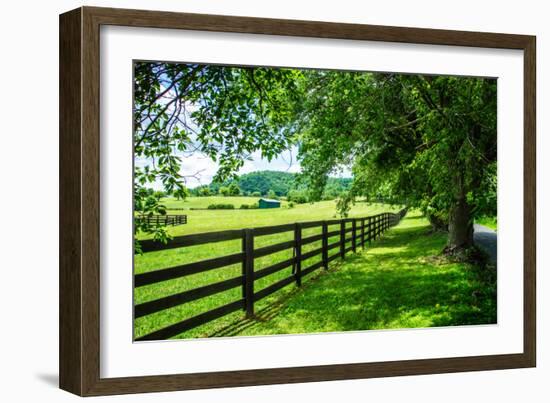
[(351, 233), (164, 220)]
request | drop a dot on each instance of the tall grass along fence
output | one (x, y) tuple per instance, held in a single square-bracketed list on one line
[(163, 219), (336, 237)]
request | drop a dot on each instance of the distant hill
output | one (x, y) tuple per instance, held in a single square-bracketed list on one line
[(278, 182), (263, 181)]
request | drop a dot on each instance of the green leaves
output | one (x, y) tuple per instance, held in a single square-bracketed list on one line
[(225, 113), (422, 140)]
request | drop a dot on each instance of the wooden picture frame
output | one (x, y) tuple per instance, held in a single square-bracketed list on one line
[(79, 201)]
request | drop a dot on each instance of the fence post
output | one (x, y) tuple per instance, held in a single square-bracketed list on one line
[(363, 233), (342, 238), (354, 235), (298, 254), (369, 232), (243, 266), (249, 272), (325, 245)]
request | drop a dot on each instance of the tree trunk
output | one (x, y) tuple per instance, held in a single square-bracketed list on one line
[(461, 228)]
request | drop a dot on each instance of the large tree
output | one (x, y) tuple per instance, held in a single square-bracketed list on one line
[(424, 141)]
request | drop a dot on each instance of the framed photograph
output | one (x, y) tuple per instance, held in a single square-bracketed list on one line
[(250, 201)]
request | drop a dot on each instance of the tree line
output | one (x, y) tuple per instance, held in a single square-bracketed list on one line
[(272, 184)]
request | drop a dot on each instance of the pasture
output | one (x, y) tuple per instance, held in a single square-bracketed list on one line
[(214, 220)]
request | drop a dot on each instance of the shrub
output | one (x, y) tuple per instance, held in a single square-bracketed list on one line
[(256, 194), (225, 191), (290, 204), (234, 189), (297, 196), (253, 206), (221, 206), (249, 206)]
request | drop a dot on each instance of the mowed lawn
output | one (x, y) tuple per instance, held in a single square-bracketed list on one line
[(215, 220)]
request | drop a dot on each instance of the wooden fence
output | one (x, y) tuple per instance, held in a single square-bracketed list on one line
[(163, 219), (361, 231)]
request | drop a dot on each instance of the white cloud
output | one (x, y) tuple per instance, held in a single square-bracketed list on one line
[(198, 169), (286, 161)]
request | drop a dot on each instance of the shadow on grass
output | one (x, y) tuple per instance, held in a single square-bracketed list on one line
[(402, 281)]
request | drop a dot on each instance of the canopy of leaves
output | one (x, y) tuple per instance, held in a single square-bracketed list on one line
[(418, 140)]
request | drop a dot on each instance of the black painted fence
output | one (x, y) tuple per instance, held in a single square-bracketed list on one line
[(361, 231), (164, 220)]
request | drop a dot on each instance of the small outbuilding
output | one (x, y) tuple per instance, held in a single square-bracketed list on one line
[(269, 203)]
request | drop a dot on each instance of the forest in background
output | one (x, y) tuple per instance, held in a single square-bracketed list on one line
[(273, 184)]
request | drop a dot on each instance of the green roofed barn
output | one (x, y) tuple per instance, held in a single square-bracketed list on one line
[(269, 203)]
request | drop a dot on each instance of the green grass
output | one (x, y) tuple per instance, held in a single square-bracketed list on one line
[(398, 283), (214, 220), (402, 282), (489, 222)]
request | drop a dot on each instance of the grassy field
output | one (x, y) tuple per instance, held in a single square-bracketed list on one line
[(398, 283), (215, 220), (204, 202)]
